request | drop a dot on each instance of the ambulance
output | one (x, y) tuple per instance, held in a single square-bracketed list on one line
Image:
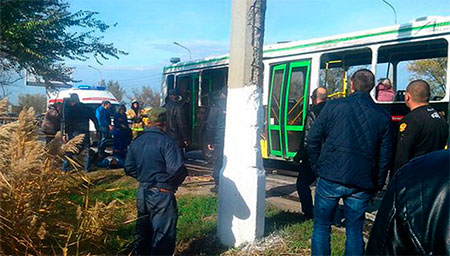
[(91, 96)]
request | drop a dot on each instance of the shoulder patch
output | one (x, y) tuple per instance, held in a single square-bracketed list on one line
[(403, 127)]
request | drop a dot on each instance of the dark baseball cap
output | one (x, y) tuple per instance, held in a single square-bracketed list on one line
[(157, 115)]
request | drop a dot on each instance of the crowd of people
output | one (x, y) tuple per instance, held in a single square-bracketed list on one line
[(347, 151), (72, 119)]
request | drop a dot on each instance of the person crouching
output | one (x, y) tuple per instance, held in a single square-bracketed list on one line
[(156, 161)]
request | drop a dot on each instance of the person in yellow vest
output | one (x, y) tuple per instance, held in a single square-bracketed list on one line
[(145, 115), (134, 115)]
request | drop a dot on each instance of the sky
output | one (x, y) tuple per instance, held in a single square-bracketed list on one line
[(146, 29)]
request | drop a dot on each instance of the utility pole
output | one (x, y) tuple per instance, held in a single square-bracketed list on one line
[(99, 72), (242, 180)]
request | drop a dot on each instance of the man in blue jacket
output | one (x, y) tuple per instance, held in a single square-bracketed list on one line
[(350, 150), (104, 123), (156, 161)]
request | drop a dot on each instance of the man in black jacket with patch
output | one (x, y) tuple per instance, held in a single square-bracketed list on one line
[(156, 161), (350, 148), (422, 130), (414, 216)]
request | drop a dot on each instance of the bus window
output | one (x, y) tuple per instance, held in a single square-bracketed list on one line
[(336, 68), (296, 96), (213, 80), (332, 79), (433, 70), (170, 82), (425, 60)]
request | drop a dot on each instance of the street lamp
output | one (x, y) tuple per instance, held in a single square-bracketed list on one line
[(393, 9), (184, 47), (100, 72)]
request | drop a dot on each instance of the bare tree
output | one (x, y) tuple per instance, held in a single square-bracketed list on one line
[(332, 79), (116, 90), (146, 96), (7, 79), (37, 101)]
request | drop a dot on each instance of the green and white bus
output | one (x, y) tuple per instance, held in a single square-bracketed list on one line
[(292, 70)]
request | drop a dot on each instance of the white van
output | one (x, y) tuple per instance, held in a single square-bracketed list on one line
[(91, 96)]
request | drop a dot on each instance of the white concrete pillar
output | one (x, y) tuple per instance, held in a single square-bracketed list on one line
[(242, 179)]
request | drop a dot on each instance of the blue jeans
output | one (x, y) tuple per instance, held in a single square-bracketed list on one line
[(327, 198)]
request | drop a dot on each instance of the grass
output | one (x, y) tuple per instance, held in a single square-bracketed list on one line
[(196, 228), (197, 216), (297, 232)]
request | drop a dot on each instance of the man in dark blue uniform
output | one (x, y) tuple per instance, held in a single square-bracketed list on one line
[(421, 131), (215, 133), (156, 161)]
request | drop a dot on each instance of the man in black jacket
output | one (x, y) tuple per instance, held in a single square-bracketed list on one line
[(156, 161), (422, 130), (215, 133), (350, 149), (177, 127), (414, 216), (75, 121), (306, 176)]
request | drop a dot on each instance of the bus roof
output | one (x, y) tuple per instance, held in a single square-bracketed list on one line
[(418, 28)]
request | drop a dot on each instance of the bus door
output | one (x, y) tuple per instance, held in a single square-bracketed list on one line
[(287, 107)]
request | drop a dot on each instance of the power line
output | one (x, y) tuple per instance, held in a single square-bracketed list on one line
[(141, 77)]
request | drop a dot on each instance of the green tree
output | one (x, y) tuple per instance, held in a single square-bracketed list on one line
[(37, 101), (116, 90), (39, 35), (146, 96), (431, 70)]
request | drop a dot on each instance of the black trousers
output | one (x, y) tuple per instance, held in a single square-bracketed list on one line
[(157, 222), (305, 178), (104, 135), (217, 159), (85, 144)]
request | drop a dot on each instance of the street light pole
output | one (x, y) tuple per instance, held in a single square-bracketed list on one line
[(184, 47), (393, 9), (100, 72)]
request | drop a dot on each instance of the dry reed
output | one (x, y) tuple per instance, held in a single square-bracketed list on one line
[(34, 208)]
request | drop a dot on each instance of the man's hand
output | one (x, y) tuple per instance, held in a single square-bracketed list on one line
[(186, 143), (210, 147), (111, 127), (64, 138)]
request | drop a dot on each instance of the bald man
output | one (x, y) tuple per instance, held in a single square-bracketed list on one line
[(421, 131), (305, 175)]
